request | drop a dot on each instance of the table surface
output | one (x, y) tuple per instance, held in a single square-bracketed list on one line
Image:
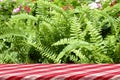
[(59, 71)]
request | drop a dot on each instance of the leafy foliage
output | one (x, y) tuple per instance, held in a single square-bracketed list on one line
[(51, 34)]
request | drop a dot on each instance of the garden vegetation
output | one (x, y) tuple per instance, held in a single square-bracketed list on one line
[(59, 31)]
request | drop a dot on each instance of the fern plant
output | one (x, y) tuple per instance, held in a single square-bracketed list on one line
[(50, 34), (31, 36), (99, 50)]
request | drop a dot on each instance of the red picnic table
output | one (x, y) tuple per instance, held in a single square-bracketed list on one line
[(59, 71)]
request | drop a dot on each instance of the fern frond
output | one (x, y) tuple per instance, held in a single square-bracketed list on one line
[(74, 45), (44, 51), (101, 58), (63, 41), (75, 29), (96, 38), (82, 57)]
